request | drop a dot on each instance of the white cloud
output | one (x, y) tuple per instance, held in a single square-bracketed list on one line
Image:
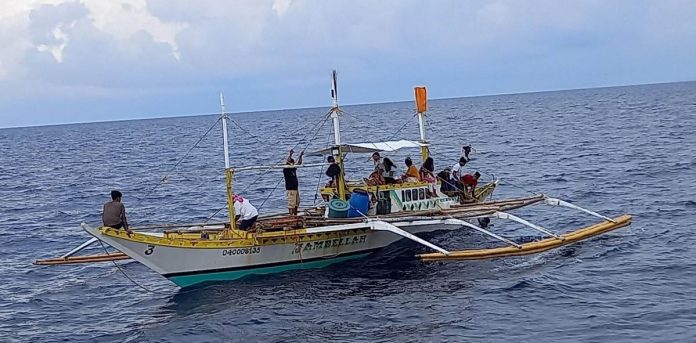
[(56, 49), (122, 19), (281, 6), (102, 47)]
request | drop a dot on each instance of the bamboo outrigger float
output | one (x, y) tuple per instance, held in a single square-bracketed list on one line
[(195, 253)]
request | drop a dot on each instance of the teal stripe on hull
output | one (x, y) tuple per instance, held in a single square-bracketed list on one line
[(188, 280)]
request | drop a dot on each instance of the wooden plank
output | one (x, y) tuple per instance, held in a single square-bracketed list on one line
[(82, 259)]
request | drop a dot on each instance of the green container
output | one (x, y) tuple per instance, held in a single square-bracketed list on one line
[(338, 208)]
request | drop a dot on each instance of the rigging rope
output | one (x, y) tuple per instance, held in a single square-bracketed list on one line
[(319, 124), (243, 129), (122, 271), (166, 176)]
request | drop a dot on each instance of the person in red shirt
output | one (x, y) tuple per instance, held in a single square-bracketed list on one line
[(470, 181)]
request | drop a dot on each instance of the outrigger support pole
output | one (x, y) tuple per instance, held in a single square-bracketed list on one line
[(82, 246), (453, 221), (503, 215), (384, 226), (377, 225), (559, 202)]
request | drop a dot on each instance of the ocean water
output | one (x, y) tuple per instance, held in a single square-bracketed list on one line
[(615, 150)]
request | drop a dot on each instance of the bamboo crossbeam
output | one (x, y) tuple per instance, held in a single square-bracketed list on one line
[(281, 166), (83, 259), (532, 247)]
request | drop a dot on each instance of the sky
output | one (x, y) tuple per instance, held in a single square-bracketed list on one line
[(66, 61)]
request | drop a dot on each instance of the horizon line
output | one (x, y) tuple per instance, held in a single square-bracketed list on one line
[(184, 115)]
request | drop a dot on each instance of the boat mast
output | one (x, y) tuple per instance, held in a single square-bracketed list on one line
[(422, 107), (336, 151), (228, 170)]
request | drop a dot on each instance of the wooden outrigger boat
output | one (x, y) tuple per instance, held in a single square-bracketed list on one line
[(318, 237)]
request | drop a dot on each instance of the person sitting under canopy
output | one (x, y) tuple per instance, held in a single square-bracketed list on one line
[(412, 174), (377, 175), (390, 172)]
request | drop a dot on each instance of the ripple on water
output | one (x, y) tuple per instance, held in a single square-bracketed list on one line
[(599, 148)]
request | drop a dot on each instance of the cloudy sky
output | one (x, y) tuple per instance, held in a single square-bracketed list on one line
[(65, 61)]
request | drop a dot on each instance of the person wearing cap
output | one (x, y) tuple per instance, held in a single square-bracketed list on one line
[(245, 213)]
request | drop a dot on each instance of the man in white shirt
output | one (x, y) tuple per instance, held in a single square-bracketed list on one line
[(245, 211), (458, 171)]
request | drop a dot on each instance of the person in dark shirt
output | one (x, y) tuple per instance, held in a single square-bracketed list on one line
[(390, 171), (114, 214), (445, 183), (291, 183), (333, 171)]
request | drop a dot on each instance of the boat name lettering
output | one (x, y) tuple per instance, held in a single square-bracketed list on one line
[(241, 251), (329, 243)]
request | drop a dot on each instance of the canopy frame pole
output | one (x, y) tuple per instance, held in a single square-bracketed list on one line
[(453, 221), (561, 203), (508, 216)]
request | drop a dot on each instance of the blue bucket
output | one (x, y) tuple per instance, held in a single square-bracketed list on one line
[(359, 201)]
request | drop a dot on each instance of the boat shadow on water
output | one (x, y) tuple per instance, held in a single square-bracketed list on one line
[(383, 273)]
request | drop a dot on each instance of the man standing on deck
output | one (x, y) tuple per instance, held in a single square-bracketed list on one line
[(291, 183), (458, 172), (114, 214)]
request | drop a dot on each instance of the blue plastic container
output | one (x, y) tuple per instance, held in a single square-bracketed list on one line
[(359, 201), (338, 208)]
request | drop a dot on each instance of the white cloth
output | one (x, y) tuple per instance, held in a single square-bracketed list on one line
[(457, 171), (245, 210)]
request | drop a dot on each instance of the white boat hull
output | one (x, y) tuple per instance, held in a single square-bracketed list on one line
[(188, 266)]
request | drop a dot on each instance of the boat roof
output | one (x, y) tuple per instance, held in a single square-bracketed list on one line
[(374, 147)]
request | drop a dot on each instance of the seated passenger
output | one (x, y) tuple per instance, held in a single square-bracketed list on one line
[(446, 184), (427, 174), (411, 171), (390, 172), (377, 175)]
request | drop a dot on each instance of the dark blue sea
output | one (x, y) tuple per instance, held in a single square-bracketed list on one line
[(614, 150)]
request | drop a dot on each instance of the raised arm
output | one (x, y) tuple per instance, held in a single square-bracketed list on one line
[(287, 160), (299, 159)]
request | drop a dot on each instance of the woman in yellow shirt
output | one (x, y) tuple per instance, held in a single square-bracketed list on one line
[(412, 174)]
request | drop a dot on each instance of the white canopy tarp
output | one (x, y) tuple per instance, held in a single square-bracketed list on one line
[(373, 147)]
